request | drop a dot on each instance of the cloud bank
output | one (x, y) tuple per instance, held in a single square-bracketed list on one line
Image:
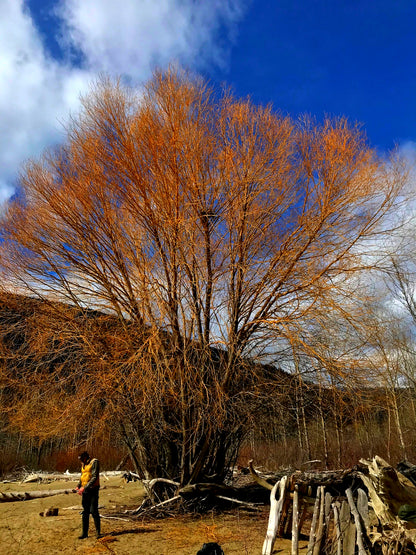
[(126, 38)]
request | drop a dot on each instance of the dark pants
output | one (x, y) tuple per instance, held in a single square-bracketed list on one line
[(90, 506)]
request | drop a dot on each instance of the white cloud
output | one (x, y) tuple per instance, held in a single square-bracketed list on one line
[(35, 93), (131, 37), (38, 92), (406, 209)]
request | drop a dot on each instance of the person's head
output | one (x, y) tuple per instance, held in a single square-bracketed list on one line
[(84, 457)]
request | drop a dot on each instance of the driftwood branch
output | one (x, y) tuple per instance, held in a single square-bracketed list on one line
[(312, 536), (388, 489), (238, 502), (295, 522), (337, 528), (276, 506), (261, 481), (357, 520), (321, 522), (153, 507), (152, 483), (114, 518)]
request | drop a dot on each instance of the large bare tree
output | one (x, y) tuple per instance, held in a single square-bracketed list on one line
[(209, 228)]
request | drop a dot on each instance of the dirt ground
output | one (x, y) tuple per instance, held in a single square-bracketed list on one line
[(23, 531)]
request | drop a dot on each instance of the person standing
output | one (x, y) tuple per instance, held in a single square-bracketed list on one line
[(88, 487)]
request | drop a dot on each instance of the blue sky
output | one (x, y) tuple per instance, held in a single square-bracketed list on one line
[(350, 57), (341, 57)]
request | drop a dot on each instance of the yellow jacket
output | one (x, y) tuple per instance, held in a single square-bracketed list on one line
[(90, 476)]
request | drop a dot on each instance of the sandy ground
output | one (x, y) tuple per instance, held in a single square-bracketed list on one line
[(24, 531)]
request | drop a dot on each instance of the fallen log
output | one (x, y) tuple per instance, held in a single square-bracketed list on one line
[(50, 477), (332, 480), (26, 495)]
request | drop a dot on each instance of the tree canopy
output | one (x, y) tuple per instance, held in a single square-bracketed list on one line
[(212, 230)]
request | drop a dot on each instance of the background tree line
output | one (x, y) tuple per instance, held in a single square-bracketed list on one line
[(200, 263)]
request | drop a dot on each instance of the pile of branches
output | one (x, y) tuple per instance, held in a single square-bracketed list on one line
[(166, 498), (245, 489)]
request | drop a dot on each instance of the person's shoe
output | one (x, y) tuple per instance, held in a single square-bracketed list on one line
[(82, 537)]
